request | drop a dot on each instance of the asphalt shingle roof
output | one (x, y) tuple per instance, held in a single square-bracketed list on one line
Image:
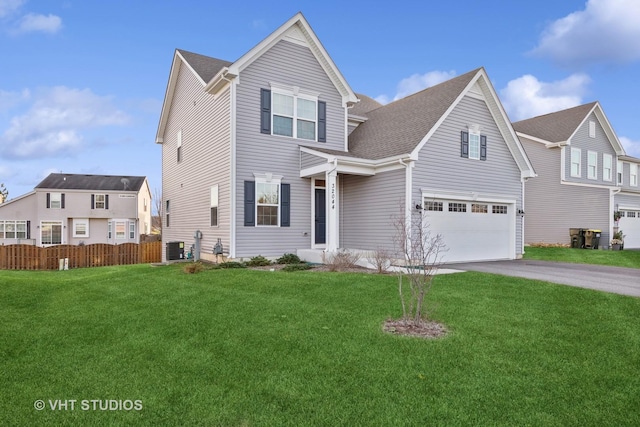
[(206, 66), (65, 181), (365, 105), (397, 128), (555, 127)]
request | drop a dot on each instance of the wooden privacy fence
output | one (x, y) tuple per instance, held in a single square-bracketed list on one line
[(29, 257)]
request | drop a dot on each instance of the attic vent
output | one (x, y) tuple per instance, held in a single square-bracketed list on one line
[(125, 183)]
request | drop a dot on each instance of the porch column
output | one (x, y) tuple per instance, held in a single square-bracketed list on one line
[(332, 211)]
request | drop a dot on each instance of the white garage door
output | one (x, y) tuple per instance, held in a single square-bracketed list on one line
[(630, 226), (473, 231)]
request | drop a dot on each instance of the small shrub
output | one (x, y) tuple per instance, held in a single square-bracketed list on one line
[(193, 268), (232, 264), (289, 259), (258, 261), (380, 259), (341, 260), (297, 267)]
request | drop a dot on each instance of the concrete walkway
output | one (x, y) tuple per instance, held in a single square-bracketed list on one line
[(619, 280)]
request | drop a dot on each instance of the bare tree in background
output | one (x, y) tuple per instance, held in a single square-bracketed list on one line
[(422, 252), (156, 217), (4, 193)]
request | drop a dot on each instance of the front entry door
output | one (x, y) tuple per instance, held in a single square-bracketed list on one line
[(321, 216)]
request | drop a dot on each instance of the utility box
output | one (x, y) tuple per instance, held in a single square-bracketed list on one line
[(175, 251)]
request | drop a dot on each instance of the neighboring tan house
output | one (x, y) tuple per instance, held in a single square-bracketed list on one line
[(78, 209), (275, 153), (584, 176)]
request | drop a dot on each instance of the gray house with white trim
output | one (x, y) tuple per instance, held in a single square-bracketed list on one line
[(78, 209), (584, 176), (275, 153)]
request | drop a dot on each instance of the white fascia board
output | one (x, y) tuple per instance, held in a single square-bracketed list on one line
[(219, 82), (581, 184), (8, 202), (315, 170), (470, 196)]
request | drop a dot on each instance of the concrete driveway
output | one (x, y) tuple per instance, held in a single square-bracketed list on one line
[(619, 280)]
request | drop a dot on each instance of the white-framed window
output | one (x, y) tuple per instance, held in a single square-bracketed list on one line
[(121, 229), (619, 169), (132, 230), (267, 202), (145, 205), (179, 146), (479, 208), (499, 209), (633, 174), (607, 167), (13, 229), (51, 232), (294, 115), (592, 165), (81, 227), (592, 129), (100, 201), (457, 207), (55, 200), (433, 206), (474, 145), (109, 230), (214, 206), (166, 212), (576, 164)]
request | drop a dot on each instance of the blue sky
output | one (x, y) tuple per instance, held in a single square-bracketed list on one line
[(82, 82)]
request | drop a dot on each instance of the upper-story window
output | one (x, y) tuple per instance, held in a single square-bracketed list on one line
[(179, 146), (592, 165), (576, 164), (473, 145), (607, 167), (290, 111), (592, 129), (619, 172), (633, 174), (55, 200), (99, 201)]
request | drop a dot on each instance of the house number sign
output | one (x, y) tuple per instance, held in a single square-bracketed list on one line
[(333, 196)]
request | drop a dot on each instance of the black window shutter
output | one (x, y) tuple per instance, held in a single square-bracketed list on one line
[(28, 229), (249, 203), (106, 201), (62, 201), (48, 200), (322, 121), (265, 111), (285, 205), (93, 201), (464, 144), (483, 147)]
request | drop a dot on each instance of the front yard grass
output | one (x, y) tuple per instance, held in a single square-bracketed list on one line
[(624, 258), (261, 348)]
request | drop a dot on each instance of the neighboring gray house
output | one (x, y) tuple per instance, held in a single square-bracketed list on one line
[(275, 153), (584, 176), (74, 209)]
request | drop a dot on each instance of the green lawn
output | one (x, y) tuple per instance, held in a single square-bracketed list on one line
[(625, 258), (260, 348)]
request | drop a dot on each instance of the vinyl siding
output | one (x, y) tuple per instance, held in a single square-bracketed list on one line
[(308, 160), (290, 64), (441, 168), (23, 209), (626, 176), (627, 200), (585, 143), (552, 207), (369, 206), (206, 160)]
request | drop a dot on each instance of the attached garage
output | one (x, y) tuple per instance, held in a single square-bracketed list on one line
[(473, 230), (629, 223)]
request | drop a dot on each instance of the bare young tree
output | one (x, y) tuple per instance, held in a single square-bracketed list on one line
[(4, 193), (156, 217), (422, 252)]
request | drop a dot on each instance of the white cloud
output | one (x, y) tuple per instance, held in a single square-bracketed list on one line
[(8, 7), (10, 99), (605, 31), (56, 121), (36, 22), (631, 147), (527, 97), (416, 83)]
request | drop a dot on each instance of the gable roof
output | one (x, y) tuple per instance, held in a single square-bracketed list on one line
[(65, 181), (215, 74), (205, 67), (557, 126), (560, 126), (398, 127)]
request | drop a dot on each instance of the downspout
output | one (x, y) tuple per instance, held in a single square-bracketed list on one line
[(522, 225), (232, 154), (407, 199)]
